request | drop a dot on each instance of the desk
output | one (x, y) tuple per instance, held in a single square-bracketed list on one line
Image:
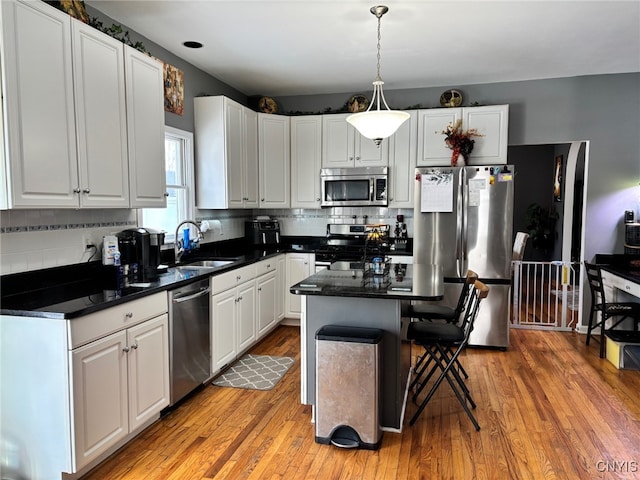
[(347, 295)]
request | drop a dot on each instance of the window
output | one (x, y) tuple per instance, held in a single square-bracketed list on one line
[(178, 155)]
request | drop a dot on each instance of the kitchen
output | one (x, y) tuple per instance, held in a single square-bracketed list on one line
[(611, 128)]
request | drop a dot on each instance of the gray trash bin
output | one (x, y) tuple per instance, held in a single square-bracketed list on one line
[(348, 375)]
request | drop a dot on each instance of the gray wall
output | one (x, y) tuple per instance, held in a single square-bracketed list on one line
[(602, 109)]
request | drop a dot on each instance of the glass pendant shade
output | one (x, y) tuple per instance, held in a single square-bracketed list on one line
[(378, 124)]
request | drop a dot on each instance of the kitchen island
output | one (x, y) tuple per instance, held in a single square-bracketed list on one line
[(348, 294)]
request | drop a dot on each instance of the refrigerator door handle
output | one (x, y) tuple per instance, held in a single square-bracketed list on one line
[(459, 225), (464, 188)]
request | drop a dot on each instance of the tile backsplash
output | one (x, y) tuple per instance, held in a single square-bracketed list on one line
[(37, 239)]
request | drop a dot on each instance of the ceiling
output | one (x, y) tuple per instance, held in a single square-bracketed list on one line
[(300, 47)]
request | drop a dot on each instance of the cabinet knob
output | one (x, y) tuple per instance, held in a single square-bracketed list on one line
[(86, 190), (125, 349), (350, 158), (357, 158), (318, 199), (135, 346), (129, 315), (76, 190), (166, 194), (262, 199)]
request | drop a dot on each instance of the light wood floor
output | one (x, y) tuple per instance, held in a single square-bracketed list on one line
[(549, 408)]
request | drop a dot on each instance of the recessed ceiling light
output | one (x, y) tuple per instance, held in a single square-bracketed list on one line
[(190, 44)]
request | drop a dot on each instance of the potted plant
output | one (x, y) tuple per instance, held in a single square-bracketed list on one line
[(541, 226)]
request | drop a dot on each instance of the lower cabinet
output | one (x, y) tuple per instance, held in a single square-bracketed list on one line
[(299, 267), (243, 309), (75, 390), (120, 382)]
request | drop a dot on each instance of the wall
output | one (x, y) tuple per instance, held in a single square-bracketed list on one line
[(556, 111)]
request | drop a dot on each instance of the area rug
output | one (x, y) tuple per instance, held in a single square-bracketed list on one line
[(255, 372)]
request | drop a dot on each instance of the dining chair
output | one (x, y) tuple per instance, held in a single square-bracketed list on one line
[(599, 305), (443, 343)]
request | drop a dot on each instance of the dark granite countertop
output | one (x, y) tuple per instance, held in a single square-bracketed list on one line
[(400, 281), (625, 266), (70, 292)]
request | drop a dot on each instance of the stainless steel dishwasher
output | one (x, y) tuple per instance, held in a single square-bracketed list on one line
[(189, 338)]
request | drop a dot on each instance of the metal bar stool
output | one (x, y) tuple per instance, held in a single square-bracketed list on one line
[(443, 343)]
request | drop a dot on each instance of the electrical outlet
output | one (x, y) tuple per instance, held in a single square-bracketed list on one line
[(87, 242)]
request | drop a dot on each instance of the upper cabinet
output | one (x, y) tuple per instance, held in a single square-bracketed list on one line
[(306, 161), (344, 147), (145, 126), (402, 163), (492, 122), (67, 112), (226, 150), (274, 160)]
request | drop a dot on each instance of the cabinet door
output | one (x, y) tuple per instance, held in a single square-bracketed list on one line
[(281, 285), (274, 160), (148, 360), (101, 118), (235, 148), (368, 154), (223, 329), (246, 315), (267, 286), (402, 163), (337, 142), (299, 267), (145, 122), (40, 112), (432, 151), (492, 122), (306, 161), (100, 399), (250, 162)]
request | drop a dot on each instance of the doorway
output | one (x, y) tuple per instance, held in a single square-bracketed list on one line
[(549, 206)]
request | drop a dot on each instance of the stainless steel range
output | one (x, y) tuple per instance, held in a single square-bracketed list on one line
[(354, 243)]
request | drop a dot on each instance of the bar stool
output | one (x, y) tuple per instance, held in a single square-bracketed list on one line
[(607, 310), (442, 312), (443, 343)]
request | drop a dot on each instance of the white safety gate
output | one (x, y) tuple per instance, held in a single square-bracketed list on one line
[(544, 295)]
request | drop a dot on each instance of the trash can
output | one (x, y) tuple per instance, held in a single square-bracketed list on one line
[(348, 371)]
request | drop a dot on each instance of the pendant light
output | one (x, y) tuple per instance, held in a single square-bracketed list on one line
[(378, 124)]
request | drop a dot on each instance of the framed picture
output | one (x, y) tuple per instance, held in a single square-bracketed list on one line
[(557, 179), (173, 89)]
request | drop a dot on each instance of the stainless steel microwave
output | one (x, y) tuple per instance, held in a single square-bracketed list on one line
[(354, 187)]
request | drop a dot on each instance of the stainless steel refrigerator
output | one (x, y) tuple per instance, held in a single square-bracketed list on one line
[(463, 220)]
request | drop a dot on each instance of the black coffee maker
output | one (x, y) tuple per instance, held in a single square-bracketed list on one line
[(140, 252)]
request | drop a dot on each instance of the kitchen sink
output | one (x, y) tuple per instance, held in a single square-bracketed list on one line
[(208, 263)]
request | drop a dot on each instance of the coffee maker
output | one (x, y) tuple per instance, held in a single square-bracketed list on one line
[(140, 252)]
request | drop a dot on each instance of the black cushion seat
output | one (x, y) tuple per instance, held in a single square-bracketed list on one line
[(427, 332), (432, 312)]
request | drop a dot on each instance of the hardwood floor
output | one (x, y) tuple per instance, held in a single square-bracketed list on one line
[(549, 408)]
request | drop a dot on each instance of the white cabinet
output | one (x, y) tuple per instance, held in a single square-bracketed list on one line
[(274, 160), (402, 163), (101, 118), (281, 285), (223, 329), (66, 107), (299, 267), (226, 148), (120, 383), (267, 289), (306, 161), (491, 121), (145, 127), (40, 122), (343, 146)]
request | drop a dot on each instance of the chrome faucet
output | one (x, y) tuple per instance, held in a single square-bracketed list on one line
[(179, 247)]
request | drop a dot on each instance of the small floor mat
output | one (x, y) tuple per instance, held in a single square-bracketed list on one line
[(256, 372)]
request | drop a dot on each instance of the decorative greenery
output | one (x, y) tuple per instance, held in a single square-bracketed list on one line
[(541, 226), (461, 142), (116, 31)]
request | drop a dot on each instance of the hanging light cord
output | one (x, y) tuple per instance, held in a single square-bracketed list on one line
[(377, 83)]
